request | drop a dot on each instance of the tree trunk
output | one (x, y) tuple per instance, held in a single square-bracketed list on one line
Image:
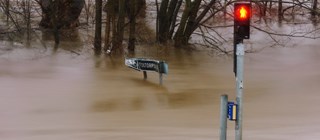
[(132, 21), (280, 14), (111, 9), (114, 9), (157, 21), (54, 12), (29, 20), (97, 37), (179, 37), (163, 21), (192, 19), (107, 32), (314, 8), (264, 9), (7, 10), (174, 19), (120, 28), (27, 17)]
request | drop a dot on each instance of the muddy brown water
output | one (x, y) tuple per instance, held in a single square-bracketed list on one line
[(63, 96)]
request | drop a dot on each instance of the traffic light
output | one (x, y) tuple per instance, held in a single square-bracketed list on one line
[(242, 15)]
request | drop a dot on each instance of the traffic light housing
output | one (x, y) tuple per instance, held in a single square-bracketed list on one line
[(242, 15)]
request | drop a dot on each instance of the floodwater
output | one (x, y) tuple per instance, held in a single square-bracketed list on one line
[(59, 95)]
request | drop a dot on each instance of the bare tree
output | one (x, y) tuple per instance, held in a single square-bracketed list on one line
[(193, 14), (116, 13), (66, 11), (167, 16), (18, 13), (190, 21), (57, 14)]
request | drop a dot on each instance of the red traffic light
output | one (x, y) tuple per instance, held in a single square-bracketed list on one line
[(242, 15), (242, 11)]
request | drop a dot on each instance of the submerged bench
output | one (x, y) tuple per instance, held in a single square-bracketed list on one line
[(145, 65)]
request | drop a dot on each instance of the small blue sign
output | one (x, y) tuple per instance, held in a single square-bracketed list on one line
[(232, 111)]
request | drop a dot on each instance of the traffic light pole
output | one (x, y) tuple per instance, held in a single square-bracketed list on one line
[(239, 86), (238, 71), (241, 31), (236, 41)]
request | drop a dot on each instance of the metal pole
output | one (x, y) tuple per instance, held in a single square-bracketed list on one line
[(223, 116), (145, 76), (239, 84), (160, 78), (236, 41)]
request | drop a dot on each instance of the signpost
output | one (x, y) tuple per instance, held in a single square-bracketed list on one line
[(145, 65)]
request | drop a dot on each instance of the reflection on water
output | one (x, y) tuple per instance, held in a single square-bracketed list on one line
[(67, 96), (155, 102)]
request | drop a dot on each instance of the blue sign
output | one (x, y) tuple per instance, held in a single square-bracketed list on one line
[(232, 111)]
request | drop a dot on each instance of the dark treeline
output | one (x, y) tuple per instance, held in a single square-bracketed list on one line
[(176, 20)]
